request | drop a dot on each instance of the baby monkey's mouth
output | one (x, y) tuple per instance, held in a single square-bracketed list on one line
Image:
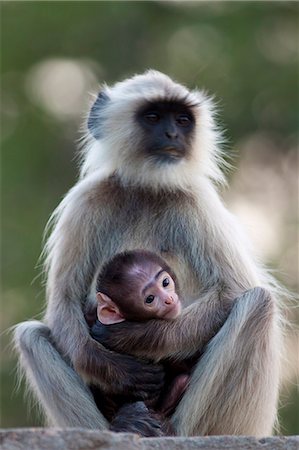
[(174, 311)]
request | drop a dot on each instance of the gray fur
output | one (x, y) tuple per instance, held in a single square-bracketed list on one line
[(56, 385), (123, 203)]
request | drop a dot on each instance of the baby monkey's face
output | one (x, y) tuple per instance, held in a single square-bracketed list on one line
[(158, 296)]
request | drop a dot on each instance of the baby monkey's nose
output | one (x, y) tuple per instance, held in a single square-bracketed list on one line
[(169, 300)]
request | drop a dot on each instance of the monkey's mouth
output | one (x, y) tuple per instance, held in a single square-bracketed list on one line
[(173, 151), (170, 154), (174, 312)]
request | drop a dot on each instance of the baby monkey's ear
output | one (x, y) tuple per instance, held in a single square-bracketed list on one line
[(107, 311)]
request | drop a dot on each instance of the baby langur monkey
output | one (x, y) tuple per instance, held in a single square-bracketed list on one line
[(136, 286), (139, 286)]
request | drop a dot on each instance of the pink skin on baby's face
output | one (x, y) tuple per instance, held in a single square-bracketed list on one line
[(156, 298), (159, 295)]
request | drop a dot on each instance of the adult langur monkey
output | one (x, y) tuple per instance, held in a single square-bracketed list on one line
[(148, 180)]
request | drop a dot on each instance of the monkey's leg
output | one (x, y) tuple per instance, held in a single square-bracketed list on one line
[(64, 398), (234, 387)]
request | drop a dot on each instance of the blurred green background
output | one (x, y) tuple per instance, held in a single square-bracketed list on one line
[(53, 54)]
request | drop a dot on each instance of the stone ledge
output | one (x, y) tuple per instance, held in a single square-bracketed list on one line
[(82, 439)]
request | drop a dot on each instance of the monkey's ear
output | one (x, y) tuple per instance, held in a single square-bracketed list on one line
[(95, 118), (107, 311)]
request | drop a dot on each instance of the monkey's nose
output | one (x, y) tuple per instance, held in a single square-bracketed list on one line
[(169, 300), (171, 134)]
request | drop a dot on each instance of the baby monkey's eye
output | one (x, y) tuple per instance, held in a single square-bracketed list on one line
[(165, 282), (150, 299)]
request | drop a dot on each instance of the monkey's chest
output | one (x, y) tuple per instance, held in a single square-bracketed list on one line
[(164, 229), (167, 226)]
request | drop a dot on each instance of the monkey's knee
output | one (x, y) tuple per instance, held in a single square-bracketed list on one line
[(254, 312), (27, 334), (260, 292), (258, 299)]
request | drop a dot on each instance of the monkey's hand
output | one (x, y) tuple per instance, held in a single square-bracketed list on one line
[(136, 418), (118, 373), (103, 333)]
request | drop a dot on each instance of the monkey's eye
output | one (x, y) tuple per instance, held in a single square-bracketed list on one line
[(150, 299), (152, 117), (165, 282), (184, 120)]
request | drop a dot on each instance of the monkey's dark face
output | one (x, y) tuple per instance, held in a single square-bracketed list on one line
[(167, 129)]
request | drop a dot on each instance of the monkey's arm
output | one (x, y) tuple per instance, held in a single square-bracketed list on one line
[(74, 253), (158, 339)]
